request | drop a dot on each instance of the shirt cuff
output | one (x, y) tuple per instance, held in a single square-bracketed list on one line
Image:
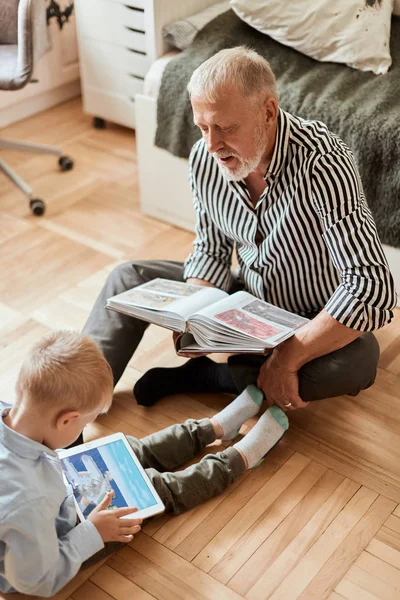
[(209, 269), (87, 539), (352, 312)]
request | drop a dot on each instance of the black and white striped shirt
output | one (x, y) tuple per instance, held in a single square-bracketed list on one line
[(319, 243)]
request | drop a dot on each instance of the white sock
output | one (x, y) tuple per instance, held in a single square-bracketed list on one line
[(245, 406), (268, 430)]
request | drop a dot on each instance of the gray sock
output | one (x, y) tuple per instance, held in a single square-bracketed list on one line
[(245, 406), (263, 436)]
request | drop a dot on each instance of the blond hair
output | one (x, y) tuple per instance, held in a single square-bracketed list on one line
[(240, 67), (65, 370)]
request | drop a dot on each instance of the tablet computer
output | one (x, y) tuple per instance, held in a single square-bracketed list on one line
[(104, 465)]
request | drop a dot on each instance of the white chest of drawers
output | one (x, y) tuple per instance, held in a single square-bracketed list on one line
[(115, 54), (118, 40)]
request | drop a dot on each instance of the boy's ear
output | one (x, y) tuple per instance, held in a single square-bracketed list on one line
[(66, 418)]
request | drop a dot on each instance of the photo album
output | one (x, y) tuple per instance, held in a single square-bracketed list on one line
[(208, 319)]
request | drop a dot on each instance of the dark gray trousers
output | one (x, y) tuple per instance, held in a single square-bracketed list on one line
[(345, 371)]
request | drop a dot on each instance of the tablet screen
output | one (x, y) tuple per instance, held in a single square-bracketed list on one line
[(96, 471)]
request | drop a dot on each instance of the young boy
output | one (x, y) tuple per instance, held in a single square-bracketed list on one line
[(63, 385)]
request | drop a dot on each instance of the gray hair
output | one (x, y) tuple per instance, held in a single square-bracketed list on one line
[(240, 66)]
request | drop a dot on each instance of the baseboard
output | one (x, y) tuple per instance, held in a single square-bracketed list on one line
[(36, 104)]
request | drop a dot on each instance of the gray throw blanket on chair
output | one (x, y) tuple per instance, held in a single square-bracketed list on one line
[(362, 108)]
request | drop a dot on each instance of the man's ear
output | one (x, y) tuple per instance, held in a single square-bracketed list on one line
[(65, 418), (271, 110)]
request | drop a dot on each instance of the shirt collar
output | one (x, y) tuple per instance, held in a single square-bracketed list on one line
[(20, 444), (281, 145)]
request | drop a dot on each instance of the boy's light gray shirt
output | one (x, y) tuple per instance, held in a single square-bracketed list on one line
[(41, 547)]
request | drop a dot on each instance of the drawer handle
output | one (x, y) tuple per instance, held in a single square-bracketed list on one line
[(135, 30), (134, 8), (137, 51), (136, 76)]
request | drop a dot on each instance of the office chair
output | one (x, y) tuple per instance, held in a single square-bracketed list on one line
[(22, 27)]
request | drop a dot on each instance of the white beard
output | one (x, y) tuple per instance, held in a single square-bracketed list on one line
[(245, 166)]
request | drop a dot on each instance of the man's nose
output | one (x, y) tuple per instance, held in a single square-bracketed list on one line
[(214, 141)]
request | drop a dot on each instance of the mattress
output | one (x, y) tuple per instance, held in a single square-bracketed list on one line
[(152, 81)]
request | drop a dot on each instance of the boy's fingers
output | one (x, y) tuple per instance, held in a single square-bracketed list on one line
[(121, 512), (129, 530), (105, 502), (130, 522), (124, 538)]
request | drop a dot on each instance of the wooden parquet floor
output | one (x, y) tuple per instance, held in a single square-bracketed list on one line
[(320, 518)]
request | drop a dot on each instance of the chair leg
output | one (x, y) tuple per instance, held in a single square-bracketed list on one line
[(16, 179), (6, 144)]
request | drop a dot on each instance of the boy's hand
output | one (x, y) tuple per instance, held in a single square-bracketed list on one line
[(109, 523)]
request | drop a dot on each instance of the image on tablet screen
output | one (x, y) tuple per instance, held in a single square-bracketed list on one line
[(95, 472)]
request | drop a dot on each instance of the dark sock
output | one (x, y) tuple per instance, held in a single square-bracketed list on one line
[(197, 375)]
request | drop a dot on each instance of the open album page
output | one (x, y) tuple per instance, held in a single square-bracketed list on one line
[(165, 302), (242, 319)]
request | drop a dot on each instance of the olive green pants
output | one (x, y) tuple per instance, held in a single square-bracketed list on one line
[(181, 490), (170, 448)]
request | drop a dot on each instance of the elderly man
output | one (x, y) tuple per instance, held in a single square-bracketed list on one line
[(286, 193)]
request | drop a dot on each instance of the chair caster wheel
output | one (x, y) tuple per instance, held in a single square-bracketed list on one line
[(37, 207), (66, 163), (99, 123)]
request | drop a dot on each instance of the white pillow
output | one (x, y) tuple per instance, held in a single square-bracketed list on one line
[(354, 32), (396, 8)]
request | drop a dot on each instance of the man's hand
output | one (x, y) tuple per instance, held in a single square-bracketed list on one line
[(109, 523), (280, 385), (175, 335), (278, 377), (203, 282)]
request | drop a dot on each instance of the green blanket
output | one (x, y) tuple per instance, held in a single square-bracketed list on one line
[(362, 108)]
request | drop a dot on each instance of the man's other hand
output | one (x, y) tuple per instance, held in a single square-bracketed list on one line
[(280, 385), (194, 281)]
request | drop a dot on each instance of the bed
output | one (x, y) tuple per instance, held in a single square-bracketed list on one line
[(168, 197)]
